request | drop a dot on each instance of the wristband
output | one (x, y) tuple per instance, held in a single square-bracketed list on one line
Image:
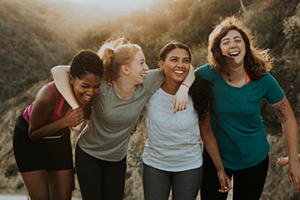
[(185, 85)]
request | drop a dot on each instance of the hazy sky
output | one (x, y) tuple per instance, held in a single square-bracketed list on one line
[(124, 5)]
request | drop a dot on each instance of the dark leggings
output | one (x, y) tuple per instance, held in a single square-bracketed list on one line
[(157, 184), (98, 179), (247, 183)]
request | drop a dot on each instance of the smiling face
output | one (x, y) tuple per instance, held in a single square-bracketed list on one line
[(138, 68), (176, 65), (85, 88), (233, 46)]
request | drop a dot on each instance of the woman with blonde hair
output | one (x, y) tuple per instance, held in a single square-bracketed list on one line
[(241, 79), (102, 146)]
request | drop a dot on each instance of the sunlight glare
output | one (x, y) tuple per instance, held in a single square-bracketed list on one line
[(120, 5)]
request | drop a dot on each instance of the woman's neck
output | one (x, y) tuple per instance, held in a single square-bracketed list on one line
[(124, 89), (237, 77), (170, 87)]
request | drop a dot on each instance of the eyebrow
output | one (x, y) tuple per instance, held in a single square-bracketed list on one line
[(233, 38), (178, 57)]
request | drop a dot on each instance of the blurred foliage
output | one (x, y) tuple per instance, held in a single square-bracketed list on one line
[(266, 22), (28, 49)]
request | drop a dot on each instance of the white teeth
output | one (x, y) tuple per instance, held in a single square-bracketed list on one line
[(234, 53), (179, 72), (143, 74)]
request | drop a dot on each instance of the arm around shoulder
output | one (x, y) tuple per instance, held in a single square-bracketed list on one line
[(62, 81)]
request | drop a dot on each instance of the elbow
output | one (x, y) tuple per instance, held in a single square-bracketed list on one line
[(54, 70), (33, 136)]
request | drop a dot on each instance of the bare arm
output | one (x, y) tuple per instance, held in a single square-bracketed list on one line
[(62, 81), (61, 78), (181, 97), (212, 148), (286, 116), (44, 105)]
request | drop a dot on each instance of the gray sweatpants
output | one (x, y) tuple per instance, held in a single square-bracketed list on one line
[(157, 183)]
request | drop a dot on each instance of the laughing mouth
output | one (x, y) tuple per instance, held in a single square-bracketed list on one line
[(179, 72), (234, 53), (87, 98)]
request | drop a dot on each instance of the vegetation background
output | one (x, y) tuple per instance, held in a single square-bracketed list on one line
[(36, 35)]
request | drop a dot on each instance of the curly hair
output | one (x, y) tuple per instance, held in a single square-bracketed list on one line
[(86, 62), (202, 97), (114, 54), (257, 63)]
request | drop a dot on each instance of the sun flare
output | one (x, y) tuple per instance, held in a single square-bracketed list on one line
[(121, 5)]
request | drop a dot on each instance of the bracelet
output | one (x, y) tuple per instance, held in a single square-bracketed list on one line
[(185, 85)]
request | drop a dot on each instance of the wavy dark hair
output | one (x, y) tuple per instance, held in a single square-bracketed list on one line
[(257, 62), (202, 97)]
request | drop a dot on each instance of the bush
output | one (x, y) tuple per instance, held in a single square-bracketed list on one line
[(292, 31), (11, 170)]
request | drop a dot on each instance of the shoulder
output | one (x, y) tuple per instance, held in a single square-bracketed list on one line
[(267, 79), (47, 95), (206, 72)]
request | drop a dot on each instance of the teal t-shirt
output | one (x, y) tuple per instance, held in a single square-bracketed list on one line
[(236, 118)]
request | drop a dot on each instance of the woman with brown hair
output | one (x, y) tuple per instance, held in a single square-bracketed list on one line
[(241, 79)]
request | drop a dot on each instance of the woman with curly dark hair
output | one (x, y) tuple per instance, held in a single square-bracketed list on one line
[(172, 154), (241, 79), (41, 141)]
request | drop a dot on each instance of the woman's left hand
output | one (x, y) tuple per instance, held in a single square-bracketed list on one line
[(181, 99), (294, 173), (225, 182)]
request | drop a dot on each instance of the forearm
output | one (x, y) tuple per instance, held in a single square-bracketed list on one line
[(190, 78), (290, 130), (210, 142), (212, 148), (47, 130), (62, 82)]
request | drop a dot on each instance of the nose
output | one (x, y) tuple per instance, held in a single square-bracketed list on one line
[(232, 45), (146, 68), (90, 92), (180, 64)]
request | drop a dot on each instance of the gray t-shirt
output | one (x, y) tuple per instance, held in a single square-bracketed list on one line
[(107, 135)]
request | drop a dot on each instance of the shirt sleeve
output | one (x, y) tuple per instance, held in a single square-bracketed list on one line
[(274, 93), (205, 72), (154, 79)]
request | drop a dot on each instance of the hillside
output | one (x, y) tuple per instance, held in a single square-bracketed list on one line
[(48, 37)]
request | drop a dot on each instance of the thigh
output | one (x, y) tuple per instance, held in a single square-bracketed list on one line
[(28, 153), (248, 183), (156, 183), (58, 152), (61, 184), (89, 174), (186, 184), (36, 184), (211, 184), (113, 179)]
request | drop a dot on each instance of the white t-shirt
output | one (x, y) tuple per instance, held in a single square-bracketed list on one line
[(174, 139)]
